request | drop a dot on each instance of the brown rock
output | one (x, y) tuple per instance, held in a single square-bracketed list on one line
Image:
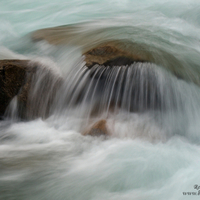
[(38, 94), (98, 129), (20, 78), (96, 44), (12, 78), (110, 55), (56, 35)]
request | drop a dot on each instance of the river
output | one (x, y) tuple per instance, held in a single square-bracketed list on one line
[(150, 155)]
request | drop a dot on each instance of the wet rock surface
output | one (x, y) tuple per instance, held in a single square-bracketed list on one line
[(111, 49), (18, 78), (97, 129), (109, 55), (12, 78)]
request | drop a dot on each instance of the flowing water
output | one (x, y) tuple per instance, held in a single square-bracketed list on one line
[(152, 108)]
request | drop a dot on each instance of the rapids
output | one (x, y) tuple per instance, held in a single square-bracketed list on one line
[(153, 152)]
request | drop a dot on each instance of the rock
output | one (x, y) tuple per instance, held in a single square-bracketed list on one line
[(39, 93), (110, 55), (96, 43), (57, 35), (12, 78), (98, 129), (104, 46), (34, 86)]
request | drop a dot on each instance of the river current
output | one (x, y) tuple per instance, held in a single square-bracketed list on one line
[(152, 155)]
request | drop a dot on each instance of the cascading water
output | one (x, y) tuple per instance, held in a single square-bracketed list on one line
[(151, 107)]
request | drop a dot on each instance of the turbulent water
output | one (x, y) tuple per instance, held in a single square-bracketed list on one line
[(154, 147)]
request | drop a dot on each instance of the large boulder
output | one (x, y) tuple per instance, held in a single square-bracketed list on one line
[(105, 46), (12, 78), (110, 55), (97, 44), (33, 85)]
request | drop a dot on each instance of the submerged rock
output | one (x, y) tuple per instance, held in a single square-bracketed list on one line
[(98, 129)]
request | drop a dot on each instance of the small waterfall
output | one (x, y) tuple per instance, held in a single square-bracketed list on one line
[(12, 110), (103, 90), (139, 87)]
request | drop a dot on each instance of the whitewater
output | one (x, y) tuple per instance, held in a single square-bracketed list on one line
[(151, 154)]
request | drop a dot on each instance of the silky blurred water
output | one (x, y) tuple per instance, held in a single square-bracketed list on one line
[(148, 156)]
